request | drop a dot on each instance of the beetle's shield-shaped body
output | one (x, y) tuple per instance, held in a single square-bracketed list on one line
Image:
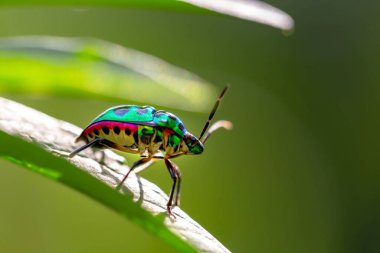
[(132, 128)]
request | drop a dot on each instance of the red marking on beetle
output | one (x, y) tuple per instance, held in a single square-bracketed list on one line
[(110, 125)]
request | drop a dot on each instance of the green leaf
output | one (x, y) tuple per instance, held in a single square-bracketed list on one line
[(91, 67), (42, 143)]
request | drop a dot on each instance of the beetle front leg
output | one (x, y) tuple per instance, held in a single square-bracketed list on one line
[(178, 193), (175, 175)]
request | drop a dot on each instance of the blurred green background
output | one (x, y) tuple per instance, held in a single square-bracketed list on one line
[(298, 173)]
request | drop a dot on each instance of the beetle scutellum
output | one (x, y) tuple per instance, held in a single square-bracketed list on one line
[(153, 134)]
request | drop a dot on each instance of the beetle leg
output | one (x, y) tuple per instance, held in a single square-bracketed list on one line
[(170, 167), (134, 166), (175, 175), (178, 193), (91, 143)]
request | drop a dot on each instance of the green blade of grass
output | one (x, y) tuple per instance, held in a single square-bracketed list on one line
[(41, 143), (251, 10), (91, 67)]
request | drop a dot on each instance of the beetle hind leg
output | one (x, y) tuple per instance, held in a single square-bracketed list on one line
[(94, 142)]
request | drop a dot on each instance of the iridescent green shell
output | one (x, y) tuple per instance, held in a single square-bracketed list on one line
[(143, 115), (128, 114), (166, 119)]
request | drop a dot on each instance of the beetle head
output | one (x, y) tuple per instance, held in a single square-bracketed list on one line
[(195, 147)]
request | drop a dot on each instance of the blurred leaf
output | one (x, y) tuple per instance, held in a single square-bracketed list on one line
[(91, 67), (251, 10)]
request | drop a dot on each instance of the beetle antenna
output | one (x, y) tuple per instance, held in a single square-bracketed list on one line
[(219, 124), (213, 111)]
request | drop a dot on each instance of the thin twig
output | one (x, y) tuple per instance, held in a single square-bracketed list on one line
[(57, 136)]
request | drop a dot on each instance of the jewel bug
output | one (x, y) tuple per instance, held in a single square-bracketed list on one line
[(152, 134)]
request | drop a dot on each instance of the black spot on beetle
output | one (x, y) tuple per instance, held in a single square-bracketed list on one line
[(96, 132), (127, 131), (121, 111), (105, 130), (181, 126), (116, 129), (90, 135)]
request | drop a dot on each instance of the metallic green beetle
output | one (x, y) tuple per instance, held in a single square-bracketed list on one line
[(151, 133)]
